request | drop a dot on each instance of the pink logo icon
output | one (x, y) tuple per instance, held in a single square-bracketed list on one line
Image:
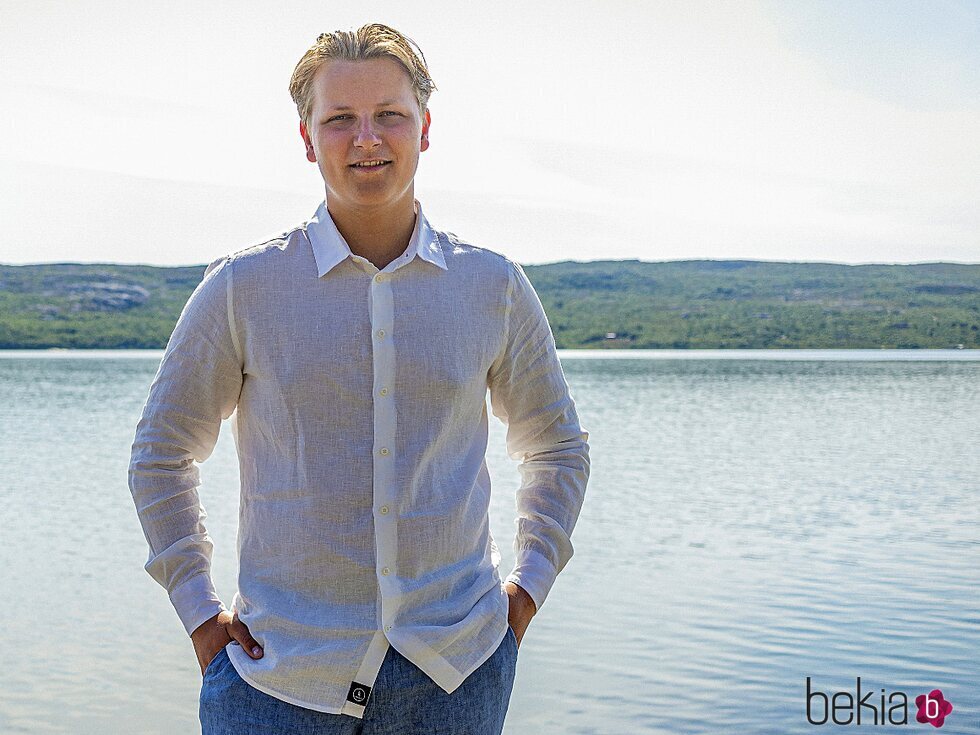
[(933, 708)]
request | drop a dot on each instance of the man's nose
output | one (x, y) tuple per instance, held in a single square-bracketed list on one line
[(367, 136)]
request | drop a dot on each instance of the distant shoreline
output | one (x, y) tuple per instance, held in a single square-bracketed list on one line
[(691, 305), (733, 354)]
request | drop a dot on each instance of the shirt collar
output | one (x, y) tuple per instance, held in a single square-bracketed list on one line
[(330, 248)]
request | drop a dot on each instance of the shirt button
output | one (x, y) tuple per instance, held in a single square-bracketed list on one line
[(384, 509), (383, 391), (387, 628), (386, 571), (384, 451), (381, 334), (379, 278)]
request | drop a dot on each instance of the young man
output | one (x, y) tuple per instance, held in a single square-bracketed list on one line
[(358, 350)]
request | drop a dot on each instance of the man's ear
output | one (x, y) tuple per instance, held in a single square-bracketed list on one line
[(310, 153), (426, 120)]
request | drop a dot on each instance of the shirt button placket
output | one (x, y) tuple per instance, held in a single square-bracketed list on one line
[(385, 457)]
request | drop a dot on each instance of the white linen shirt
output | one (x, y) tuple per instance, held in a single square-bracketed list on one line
[(361, 432)]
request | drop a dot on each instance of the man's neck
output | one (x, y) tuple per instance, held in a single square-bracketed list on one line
[(378, 235)]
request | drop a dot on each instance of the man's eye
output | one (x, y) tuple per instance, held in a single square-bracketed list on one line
[(338, 117), (389, 112)]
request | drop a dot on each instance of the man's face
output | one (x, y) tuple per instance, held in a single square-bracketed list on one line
[(365, 111)]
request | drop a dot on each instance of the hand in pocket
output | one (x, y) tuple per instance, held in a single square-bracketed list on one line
[(217, 632)]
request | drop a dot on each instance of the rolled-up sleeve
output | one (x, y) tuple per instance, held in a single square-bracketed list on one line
[(529, 393), (196, 386)]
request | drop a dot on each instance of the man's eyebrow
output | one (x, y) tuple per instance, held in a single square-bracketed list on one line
[(386, 103)]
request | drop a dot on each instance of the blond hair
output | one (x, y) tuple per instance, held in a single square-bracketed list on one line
[(371, 41)]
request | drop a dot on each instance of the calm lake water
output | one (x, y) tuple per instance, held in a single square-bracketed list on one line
[(753, 519)]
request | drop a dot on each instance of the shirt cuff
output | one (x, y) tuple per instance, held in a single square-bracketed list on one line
[(196, 601), (535, 574)]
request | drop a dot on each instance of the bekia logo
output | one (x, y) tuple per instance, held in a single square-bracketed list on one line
[(933, 708), (868, 707)]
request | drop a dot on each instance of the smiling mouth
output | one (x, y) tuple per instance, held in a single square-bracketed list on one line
[(370, 165)]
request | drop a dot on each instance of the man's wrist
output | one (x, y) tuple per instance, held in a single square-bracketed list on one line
[(515, 591)]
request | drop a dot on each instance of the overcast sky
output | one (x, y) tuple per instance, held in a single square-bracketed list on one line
[(846, 131)]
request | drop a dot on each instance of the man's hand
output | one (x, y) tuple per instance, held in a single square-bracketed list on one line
[(521, 610), (214, 634)]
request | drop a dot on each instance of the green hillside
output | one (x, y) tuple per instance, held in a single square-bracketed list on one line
[(600, 304), (753, 304)]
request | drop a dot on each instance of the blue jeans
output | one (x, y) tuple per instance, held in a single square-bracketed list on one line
[(404, 701)]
